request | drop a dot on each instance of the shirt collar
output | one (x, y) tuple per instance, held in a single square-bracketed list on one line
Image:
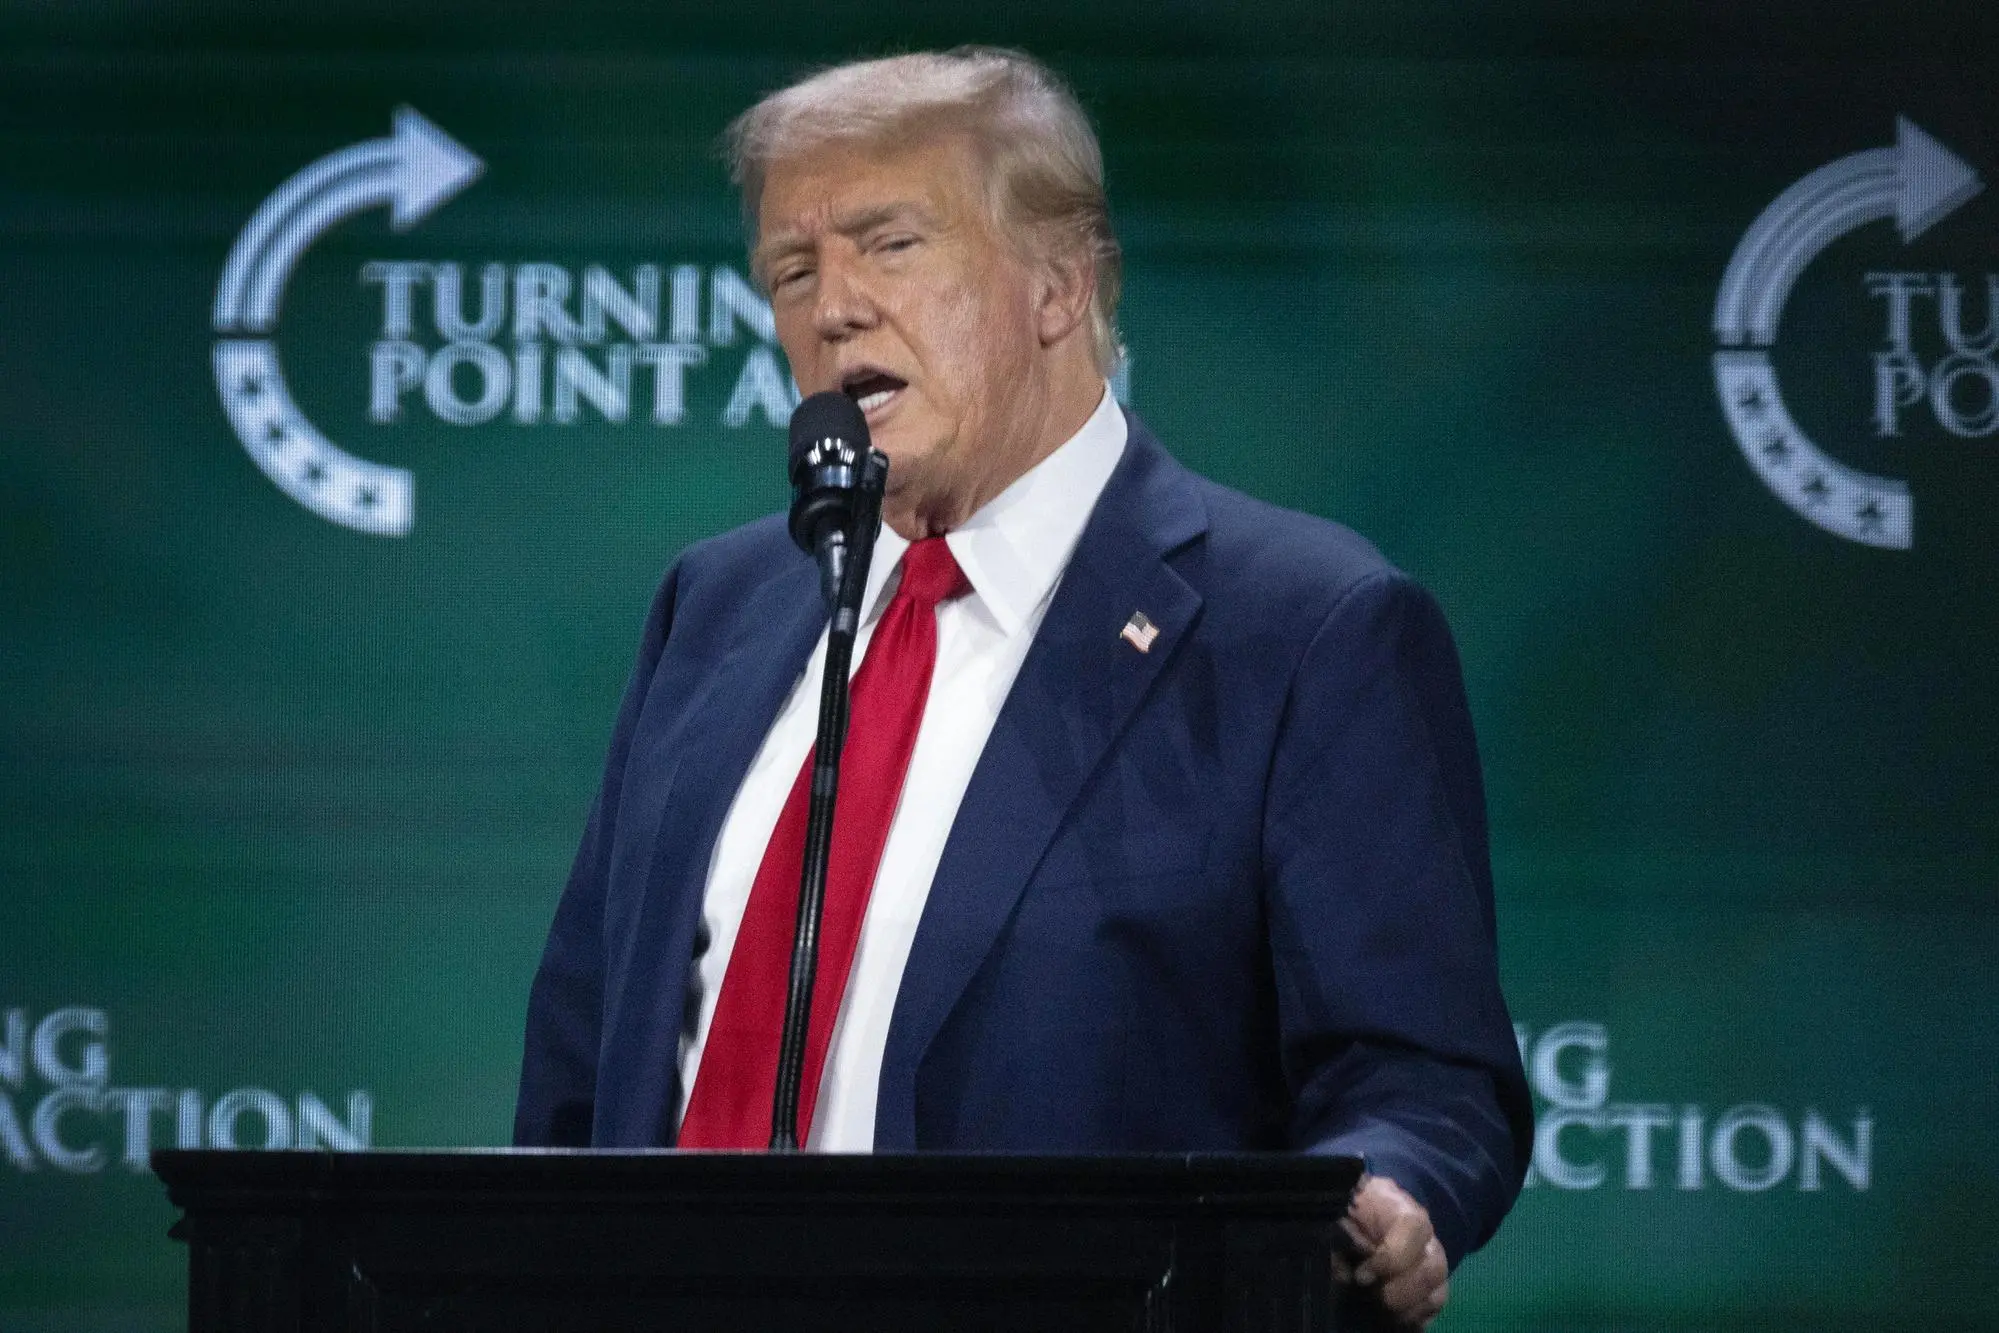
[(1016, 547)]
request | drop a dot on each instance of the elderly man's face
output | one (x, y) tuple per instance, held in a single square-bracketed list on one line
[(890, 283)]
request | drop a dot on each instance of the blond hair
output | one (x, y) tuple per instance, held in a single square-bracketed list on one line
[(1043, 169)]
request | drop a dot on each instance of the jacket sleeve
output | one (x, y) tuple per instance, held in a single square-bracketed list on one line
[(1396, 1041), (557, 1099)]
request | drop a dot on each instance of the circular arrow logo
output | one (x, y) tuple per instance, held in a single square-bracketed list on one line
[(1917, 183), (413, 171)]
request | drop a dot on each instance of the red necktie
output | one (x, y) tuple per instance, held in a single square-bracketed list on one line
[(730, 1105)]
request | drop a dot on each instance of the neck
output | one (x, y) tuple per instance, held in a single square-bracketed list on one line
[(1065, 404)]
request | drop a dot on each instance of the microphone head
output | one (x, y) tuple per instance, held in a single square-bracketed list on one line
[(829, 439), (827, 428)]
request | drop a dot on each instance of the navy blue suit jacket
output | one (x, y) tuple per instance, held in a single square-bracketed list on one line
[(1231, 893)]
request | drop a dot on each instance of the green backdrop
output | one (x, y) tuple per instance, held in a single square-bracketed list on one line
[(287, 805)]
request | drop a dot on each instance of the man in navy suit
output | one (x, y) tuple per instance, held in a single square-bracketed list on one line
[(1191, 850)]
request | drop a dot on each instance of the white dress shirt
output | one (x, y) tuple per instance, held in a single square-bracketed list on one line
[(1013, 552)]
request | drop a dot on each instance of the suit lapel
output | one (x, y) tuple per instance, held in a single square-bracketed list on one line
[(727, 721), (1077, 688)]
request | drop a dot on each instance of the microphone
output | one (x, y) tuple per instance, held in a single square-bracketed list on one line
[(837, 483), (829, 440)]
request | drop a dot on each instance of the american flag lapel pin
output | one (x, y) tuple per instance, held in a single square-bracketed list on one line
[(1139, 631)]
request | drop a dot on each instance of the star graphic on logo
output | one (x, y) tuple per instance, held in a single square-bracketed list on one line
[(1816, 489), (1869, 514), (1751, 401), (1776, 448), (314, 472), (367, 497), (274, 433)]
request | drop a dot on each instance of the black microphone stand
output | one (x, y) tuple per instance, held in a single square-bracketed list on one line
[(843, 625)]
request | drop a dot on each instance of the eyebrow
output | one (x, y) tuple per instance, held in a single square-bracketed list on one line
[(847, 224)]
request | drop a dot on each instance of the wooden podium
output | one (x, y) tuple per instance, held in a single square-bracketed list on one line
[(588, 1242)]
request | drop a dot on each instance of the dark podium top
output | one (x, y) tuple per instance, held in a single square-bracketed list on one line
[(590, 1242)]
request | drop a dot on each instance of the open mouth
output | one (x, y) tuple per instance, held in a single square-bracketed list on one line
[(872, 390)]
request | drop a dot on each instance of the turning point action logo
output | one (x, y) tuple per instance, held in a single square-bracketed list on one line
[(1917, 183), (520, 345), (1585, 1141), (78, 1122), (413, 171)]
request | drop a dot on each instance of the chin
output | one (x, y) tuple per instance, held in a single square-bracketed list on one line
[(906, 449), (906, 478)]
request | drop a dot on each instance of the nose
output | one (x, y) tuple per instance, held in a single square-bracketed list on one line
[(844, 306)]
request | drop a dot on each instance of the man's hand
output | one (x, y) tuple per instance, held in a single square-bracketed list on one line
[(1397, 1254)]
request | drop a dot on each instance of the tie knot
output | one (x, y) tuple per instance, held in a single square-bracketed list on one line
[(930, 573)]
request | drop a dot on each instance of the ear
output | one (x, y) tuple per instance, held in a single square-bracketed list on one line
[(1065, 284)]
